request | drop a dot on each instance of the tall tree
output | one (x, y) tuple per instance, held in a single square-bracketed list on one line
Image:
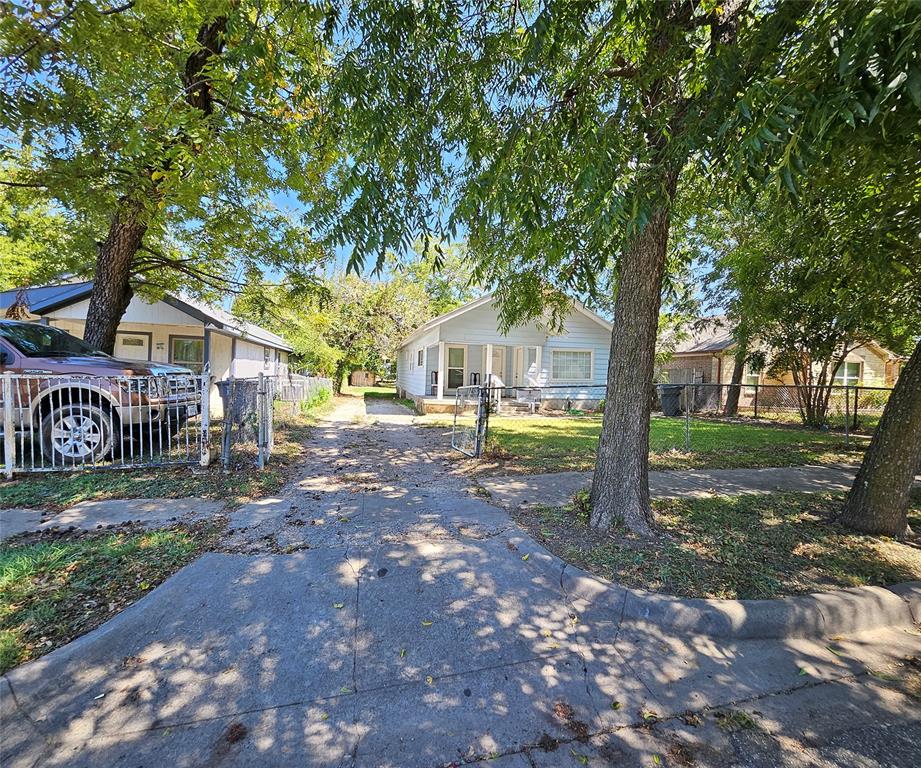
[(878, 501), (164, 129), (553, 134)]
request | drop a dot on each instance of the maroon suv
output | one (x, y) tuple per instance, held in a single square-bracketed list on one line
[(75, 404)]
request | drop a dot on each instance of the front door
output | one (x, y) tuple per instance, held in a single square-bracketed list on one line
[(498, 366), (526, 366), (457, 365), (132, 346)]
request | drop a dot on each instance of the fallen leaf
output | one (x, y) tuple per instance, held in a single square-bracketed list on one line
[(426, 623), (338, 605), (402, 652), (430, 680), (525, 557), (546, 632), (324, 716), (583, 760), (615, 705)]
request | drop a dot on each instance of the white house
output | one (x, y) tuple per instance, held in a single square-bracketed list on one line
[(177, 329), (464, 347)]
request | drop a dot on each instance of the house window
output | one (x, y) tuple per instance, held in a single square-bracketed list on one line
[(751, 377), (187, 351), (457, 357), (571, 365), (848, 374), (420, 358)]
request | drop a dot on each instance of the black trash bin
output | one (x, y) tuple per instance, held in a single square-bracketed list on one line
[(670, 398)]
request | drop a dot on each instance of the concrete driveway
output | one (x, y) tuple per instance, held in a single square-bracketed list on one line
[(380, 614)]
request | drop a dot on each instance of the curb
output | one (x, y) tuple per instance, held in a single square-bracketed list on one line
[(843, 611)]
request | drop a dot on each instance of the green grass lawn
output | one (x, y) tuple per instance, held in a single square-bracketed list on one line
[(368, 392), (53, 591), (733, 547), (553, 444)]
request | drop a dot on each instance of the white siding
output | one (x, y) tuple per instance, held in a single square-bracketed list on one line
[(250, 360), (138, 311), (411, 377), (479, 326)]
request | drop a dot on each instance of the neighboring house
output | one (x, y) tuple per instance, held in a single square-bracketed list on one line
[(177, 329), (464, 347), (707, 357), (362, 379)]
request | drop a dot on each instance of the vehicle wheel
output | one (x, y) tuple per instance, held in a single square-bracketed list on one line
[(77, 434)]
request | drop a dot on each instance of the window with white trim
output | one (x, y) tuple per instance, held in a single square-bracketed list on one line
[(571, 365), (420, 358), (752, 375), (848, 374)]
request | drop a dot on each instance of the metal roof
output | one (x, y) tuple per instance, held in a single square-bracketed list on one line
[(47, 298)]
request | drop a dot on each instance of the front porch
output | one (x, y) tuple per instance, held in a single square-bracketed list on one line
[(450, 365)]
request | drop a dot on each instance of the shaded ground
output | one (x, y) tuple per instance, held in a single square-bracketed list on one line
[(58, 491), (378, 613), (56, 588), (741, 547)]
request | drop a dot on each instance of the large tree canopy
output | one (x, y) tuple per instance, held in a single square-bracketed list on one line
[(554, 134), (162, 130)]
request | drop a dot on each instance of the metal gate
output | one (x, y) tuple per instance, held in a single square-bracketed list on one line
[(471, 420)]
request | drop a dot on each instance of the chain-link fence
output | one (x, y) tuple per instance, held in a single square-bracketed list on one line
[(252, 407), (685, 415)]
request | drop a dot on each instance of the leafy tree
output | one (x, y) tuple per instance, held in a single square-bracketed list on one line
[(35, 242), (444, 271), (352, 324), (555, 134), (162, 129)]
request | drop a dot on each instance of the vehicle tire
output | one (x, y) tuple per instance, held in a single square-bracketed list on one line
[(74, 435)]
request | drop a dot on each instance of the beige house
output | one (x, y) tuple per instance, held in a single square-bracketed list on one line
[(706, 356), (177, 329)]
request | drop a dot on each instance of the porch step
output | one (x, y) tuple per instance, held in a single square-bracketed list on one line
[(514, 408)]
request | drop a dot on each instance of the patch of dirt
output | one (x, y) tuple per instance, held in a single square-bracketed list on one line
[(235, 732), (566, 715)]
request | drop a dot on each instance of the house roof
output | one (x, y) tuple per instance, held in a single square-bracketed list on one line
[(711, 334), (488, 299), (45, 299)]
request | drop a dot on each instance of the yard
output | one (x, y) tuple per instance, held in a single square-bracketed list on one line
[(556, 444), (56, 491), (745, 547), (54, 588)]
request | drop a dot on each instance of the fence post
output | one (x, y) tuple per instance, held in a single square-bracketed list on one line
[(260, 413), (9, 428), (856, 399), (205, 457), (756, 402), (687, 421), (227, 434), (847, 417)]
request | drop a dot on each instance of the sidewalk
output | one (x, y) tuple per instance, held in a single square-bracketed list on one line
[(376, 614), (557, 488)]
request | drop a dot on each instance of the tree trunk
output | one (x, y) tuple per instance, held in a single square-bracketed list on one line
[(738, 368), (620, 489), (878, 500), (111, 280)]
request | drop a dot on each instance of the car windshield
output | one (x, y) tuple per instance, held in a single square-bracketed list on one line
[(45, 341)]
